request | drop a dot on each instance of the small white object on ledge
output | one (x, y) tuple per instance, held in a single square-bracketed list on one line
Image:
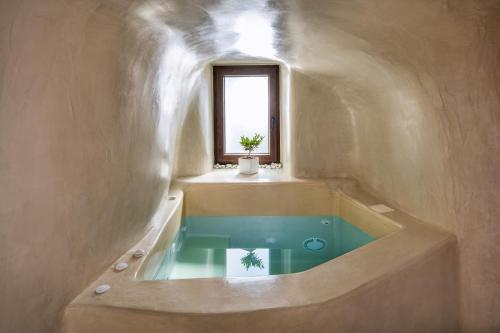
[(261, 166), (121, 266), (139, 253), (102, 289), (381, 209), (248, 165)]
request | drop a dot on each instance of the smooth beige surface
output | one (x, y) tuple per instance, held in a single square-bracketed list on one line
[(419, 81), (261, 199), (80, 168), (160, 237), (410, 249), (99, 100), (376, 225), (388, 305), (269, 193)]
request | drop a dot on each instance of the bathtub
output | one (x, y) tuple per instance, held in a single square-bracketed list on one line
[(402, 281)]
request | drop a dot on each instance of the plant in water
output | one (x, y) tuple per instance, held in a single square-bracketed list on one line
[(250, 144), (251, 260)]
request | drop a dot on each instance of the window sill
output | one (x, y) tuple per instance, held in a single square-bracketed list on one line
[(261, 166), (233, 176)]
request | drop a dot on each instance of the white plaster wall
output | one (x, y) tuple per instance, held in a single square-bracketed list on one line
[(420, 81), (89, 112)]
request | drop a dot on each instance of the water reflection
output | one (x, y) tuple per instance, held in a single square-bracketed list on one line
[(243, 262), (247, 246)]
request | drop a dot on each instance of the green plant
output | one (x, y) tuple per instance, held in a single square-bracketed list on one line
[(250, 144), (252, 260)]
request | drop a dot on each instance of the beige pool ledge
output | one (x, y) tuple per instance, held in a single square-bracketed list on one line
[(403, 281)]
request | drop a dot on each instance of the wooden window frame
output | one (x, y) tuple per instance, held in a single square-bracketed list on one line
[(272, 71)]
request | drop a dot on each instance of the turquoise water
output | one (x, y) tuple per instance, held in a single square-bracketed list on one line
[(238, 246)]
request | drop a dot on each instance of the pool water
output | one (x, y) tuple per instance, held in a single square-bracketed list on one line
[(239, 246)]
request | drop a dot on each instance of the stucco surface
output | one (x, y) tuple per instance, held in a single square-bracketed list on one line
[(83, 155), (420, 80), (411, 265), (101, 100), (388, 304)]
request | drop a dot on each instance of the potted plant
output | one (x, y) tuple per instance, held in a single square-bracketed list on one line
[(249, 164)]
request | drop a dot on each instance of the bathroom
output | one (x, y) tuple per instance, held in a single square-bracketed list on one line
[(109, 144)]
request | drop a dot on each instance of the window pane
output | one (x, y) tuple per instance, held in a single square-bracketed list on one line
[(246, 111)]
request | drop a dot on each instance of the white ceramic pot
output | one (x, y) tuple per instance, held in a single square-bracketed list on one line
[(248, 166)]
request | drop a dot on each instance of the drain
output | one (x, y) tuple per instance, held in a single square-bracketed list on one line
[(314, 244), (325, 222)]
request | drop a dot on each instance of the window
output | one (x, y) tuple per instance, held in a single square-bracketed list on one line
[(246, 102)]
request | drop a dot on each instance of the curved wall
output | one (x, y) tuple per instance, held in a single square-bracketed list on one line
[(102, 101), (88, 121), (420, 81)]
